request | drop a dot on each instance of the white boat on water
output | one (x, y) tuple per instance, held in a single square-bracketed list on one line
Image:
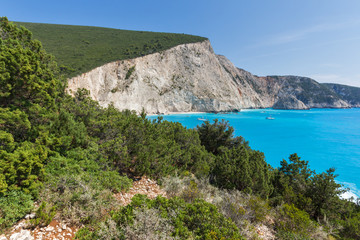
[(202, 119), (270, 118)]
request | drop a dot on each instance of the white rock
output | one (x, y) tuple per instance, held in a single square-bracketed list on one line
[(30, 216), (23, 235), (2, 237), (49, 229), (185, 78)]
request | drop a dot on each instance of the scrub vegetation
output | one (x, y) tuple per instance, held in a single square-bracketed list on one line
[(79, 49), (70, 156)]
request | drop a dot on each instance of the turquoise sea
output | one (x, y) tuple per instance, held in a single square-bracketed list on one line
[(325, 137)]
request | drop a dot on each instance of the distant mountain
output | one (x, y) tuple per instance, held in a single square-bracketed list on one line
[(350, 94)]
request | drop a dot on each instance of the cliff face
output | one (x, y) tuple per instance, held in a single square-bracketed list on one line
[(350, 94), (293, 92), (185, 78), (191, 78)]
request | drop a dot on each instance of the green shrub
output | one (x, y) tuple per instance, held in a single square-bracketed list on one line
[(243, 209), (23, 168), (43, 215), (163, 218), (351, 227), (14, 206), (129, 72), (294, 222)]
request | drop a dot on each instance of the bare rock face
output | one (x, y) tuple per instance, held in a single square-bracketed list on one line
[(186, 78), (348, 93), (294, 92), (191, 78)]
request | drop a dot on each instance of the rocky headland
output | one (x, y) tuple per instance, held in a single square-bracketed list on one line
[(192, 78)]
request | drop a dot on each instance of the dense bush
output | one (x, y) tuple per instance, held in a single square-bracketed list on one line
[(236, 165), (244, 210), (13, 207), (351, 227), (294, 221), (197, 220)]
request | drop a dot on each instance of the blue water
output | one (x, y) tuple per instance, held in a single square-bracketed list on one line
[(325, 137)]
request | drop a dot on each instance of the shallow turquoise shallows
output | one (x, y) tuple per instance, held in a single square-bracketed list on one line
[(325, 137)]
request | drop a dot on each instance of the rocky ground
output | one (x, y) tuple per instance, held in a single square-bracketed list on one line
[(58, 230), (55, 231)]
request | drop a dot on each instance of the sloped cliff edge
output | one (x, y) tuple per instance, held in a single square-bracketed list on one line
[(192, 78)]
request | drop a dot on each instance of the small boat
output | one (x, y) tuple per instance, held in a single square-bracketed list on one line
[(270, 118), (202, 119)]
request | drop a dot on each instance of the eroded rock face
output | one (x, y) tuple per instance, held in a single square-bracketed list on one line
[(191, 78), (348, 93), (294, 92), (186, 78)]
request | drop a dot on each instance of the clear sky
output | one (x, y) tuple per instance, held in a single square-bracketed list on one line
[(313, 38)]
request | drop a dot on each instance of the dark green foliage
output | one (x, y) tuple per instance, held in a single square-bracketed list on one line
[(232, 170), (236, 166), (317, 194), (69, 133), (351, 227), (324, 193), (129, 72), (13, 207), (79, 49), (15, 123), (26, 71), (216, 135), (128, 142)]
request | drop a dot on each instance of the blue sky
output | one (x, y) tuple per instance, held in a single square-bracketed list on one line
[(313, 38)]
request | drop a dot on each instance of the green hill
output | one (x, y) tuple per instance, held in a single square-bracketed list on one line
[(82, 48)]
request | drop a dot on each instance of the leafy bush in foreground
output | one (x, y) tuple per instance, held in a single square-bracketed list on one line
[(294, 221), (197, 220)]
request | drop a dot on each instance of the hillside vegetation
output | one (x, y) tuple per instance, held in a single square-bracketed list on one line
[(78, 49), (70, 156)]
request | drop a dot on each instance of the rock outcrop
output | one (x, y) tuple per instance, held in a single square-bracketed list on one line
[(294, 92), (192, 78), (186, 78), (349, 94)]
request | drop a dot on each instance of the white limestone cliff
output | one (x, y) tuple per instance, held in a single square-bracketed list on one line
[(186, 78), (189, 78)]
